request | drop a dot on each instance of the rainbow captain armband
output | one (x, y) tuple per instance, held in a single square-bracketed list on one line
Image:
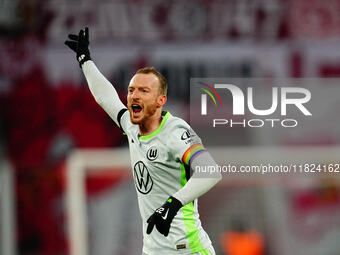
[(192, 152)]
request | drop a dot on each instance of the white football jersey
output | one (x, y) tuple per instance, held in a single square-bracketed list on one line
[(160, 166)]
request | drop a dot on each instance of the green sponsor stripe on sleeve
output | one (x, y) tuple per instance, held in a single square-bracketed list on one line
[(183, 176), (189, 220)]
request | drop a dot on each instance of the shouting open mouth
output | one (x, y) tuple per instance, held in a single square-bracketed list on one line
[(136, 110)]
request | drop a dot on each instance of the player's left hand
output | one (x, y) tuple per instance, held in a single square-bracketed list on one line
[(163, 216), (80, 45)]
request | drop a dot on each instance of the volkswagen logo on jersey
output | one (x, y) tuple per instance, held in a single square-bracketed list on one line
[(152, 153), (143, 180)]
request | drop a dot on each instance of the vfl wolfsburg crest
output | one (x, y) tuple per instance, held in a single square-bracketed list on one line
[(152, 153)]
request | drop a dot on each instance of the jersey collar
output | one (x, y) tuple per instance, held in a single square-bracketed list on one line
[(165, 115)]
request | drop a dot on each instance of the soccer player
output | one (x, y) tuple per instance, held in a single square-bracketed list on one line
[(163, 148)]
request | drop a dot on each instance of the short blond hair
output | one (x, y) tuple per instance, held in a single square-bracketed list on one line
[(163, 86)]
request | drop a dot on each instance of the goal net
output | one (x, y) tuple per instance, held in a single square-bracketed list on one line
[(293, 214)]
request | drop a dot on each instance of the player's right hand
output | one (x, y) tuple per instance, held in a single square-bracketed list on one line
[(80, 45), (163, 216)]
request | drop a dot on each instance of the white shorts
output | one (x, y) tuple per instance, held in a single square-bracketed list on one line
[(208, 251)]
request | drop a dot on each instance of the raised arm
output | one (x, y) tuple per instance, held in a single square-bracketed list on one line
[(102, 90)]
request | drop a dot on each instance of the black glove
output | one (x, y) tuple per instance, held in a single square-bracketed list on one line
[(80, 45), (163, 216)]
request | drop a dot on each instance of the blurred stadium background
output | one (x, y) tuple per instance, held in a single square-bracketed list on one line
[(47, 115)]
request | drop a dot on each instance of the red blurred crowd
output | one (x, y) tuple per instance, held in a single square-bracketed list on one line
[(41, 125)]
